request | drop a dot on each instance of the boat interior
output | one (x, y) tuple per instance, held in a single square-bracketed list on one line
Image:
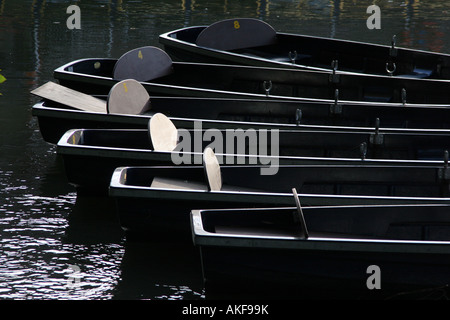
[(304, 143), (308, 179), (319, 52), (418, 222)]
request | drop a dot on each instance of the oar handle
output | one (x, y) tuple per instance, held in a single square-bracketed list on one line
[(304, 229)]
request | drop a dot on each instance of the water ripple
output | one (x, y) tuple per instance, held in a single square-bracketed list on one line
[(47, 271), (37, 263)]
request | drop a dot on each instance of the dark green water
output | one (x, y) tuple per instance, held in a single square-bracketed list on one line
[(45, 229)]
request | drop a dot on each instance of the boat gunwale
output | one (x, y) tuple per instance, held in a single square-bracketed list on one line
[(39, 109), (118, 188), (167, 39), (201, 237), (167, 35), (65, 75), (66, 146)]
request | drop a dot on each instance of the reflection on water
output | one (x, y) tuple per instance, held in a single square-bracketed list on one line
[(44, 228), (161, 271)]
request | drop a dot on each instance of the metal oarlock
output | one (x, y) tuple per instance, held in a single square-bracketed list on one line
[(446, 159), (444, 173), (392, 54), (298, 116), (404, 96), (336, 108), (334, 64), (377, 138), (391, 71), (267, 87), (334, 77), (363, 150), (293, 56), (393, 49)]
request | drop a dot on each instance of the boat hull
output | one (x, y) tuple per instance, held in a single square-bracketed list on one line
[(146, 211), (351, 252), (56, 119), (90, 156), (315, 53), (321, 274), (246, 82)]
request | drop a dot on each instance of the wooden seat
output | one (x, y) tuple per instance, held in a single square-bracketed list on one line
[(274, 57), (170, 183), (213, 179), (254, 231), (163, 133), (229, 188), (417, 74), (143, 64), (128, 97)]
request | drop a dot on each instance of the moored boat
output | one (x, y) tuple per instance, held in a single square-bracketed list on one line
[(153, 200), (59, 113), (254, 42), (90, 156), (160, 76), (356, 252)]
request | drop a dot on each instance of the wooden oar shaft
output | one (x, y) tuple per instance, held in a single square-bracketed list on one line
[(72, 98), (304, 229)]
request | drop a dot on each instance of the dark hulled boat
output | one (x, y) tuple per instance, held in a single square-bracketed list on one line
[(253, 42), (64, 109), (354, 252), (154, 201), (90, 156), (97, 76)]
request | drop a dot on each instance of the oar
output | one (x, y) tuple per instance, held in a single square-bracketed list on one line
[(143, 64), (233, 34), (128, 97), (125, 97), (69, 97), (163, 133), (300, 216), (212, 170)]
